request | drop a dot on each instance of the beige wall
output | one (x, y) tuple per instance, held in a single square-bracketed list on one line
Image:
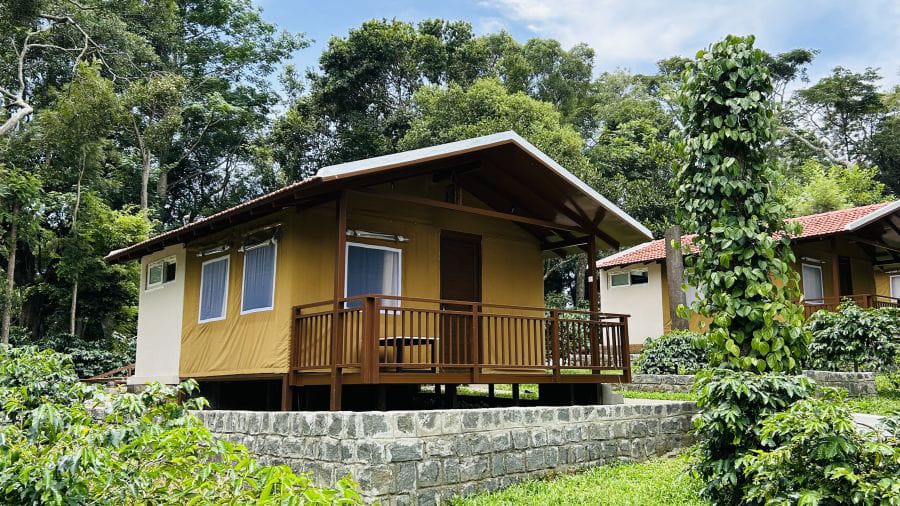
[(159, 322), (643, 303)]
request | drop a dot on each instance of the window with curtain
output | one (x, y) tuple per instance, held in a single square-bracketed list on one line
[(813, 287), (213, 289), (258, 292), (619, 279), (372, 270), (895, 286)]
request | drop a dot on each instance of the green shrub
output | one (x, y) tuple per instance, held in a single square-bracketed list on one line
[(853, 338), (64, 442), (89, 357), (675, 352), (815, 455), (733, 405)]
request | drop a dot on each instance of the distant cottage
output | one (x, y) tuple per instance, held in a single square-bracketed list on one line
[(851, 253)]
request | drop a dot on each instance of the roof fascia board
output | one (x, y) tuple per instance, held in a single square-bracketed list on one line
[(873, 216)]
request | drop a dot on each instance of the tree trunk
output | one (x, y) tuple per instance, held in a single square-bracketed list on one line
[(145, 180), (10, 275), (74, 309), (580, 278), (162, 185), (675, 276)]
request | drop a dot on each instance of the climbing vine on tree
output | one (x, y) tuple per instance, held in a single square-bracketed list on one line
[(726, 196)]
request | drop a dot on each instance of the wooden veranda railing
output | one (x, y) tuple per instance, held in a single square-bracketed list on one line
[(386, 339), (863, 300), (116, 376)]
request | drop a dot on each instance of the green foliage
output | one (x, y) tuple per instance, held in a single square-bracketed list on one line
[(89, 358), (726, 197), (817, 188), (813, 454), (675, 352), (853, 338), (659, 482), (455, 113), (63, 442), (733, 406)]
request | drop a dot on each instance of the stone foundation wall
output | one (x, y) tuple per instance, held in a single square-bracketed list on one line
[(426, 457), (855, 383), (660, 383)]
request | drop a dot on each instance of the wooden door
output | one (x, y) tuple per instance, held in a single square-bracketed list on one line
[(461, 281)]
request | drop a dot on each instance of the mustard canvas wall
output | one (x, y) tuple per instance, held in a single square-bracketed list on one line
[(258, 343)]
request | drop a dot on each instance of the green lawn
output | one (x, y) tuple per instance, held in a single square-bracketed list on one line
[(657, 482), (883, 403), (662, 396)]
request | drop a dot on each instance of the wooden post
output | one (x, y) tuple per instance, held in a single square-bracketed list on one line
[(835, 270), (594, 301), (369, 359), (336, 324), (626, 352), (474, 344), (515, 394), (675, 276), (286, 393), (554, 340)]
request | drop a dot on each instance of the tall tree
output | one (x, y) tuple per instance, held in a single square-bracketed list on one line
[(19, 193)]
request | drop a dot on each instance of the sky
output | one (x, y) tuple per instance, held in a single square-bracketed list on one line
[(634, 34)]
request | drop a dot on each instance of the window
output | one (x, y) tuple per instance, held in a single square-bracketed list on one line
[(895, 286), (619, 279), (160, 272), (813, 287), (372, 270), (258, 292), (639, 277), (213, 289), (636, 277), (691, 295)]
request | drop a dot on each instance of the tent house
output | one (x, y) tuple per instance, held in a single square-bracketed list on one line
[(353, 287)]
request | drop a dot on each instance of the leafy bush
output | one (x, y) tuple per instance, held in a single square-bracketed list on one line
[(64, 442), (675, 352), (815, 455), (853, 338), (89, 357), (733, 405)]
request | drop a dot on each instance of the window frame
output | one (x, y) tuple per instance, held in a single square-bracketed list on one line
[(629, 272), (821, 301), (891, 279), (244, 250), (619, 273), (161, 262), (227, 259), (399, 252)]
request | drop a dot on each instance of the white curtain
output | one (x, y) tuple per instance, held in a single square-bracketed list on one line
[(813, 289), (895, 286), (259, 277), (213, 283), (372, 271)]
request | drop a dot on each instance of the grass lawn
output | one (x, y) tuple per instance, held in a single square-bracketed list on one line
[(662, 396), (883, 403), (657, 482)]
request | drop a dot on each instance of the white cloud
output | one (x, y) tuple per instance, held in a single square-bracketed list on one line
[(636, 33)]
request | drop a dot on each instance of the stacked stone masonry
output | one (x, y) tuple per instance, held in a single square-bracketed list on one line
[(855, 383), (427, 457)]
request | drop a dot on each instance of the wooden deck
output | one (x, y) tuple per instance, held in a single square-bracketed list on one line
[(863, 300), (404, 340)]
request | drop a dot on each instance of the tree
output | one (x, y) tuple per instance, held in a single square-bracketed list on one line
[(19, 193), (841, 111), (815, 188), (76, 127)]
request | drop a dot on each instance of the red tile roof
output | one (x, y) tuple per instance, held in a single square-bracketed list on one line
[(814, 225)]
